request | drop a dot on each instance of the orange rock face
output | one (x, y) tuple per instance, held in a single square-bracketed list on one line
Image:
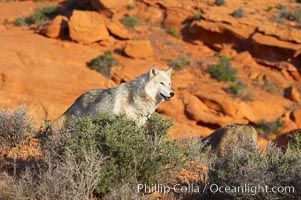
[(43, 76), (117, 29), (139, 49), (86, 27)]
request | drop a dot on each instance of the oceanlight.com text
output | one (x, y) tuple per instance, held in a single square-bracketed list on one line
[(214, 188)]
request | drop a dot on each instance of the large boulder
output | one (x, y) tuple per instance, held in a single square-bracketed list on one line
[(139, 49), (234, 137), (86, 27)]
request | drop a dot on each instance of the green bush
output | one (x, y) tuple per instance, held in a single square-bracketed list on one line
[(102, 155), (253, 172), (132, 5), (269, 8), (219, 2), (174, 31), (264, 128), (223, 70), (237, 88), (103, 63), (197, 16), (136, 154), (130, 21), (40, 16), (107, 156), (291, 15), (14, 128), (180, 62), (270, 86)]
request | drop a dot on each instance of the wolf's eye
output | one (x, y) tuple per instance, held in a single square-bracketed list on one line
[(162, 83)]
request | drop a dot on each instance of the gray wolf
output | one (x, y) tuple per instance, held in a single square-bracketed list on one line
[(136, 99)]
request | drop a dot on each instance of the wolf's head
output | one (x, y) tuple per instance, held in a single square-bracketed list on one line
[(159, 84)]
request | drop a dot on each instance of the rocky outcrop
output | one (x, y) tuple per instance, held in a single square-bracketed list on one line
[(86, 27), (234, 137)]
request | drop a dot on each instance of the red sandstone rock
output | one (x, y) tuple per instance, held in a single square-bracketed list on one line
[(139, 49), (117, 29), (57, 27), (86, 27)]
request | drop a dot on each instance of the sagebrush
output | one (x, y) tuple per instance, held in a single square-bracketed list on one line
[(223, 71), (103, 63), (14, 128)]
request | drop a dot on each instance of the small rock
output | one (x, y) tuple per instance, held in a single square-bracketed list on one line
[(117, 29), (139, 49), (296, 115), (228, 51), (57, 27), (232, 138), (292, 93), (151, 14), (87, 27), (245, 59)]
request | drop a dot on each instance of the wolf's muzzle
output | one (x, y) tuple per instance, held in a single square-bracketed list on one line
[(166, 98)]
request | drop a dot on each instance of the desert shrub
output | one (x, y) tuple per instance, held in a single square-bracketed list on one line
[(103, 63), (269, 8), (132, 5), (197, 16), (237, 88), (239, 13), (286, 14), (280, 6), (174, 31), (219, 2), (130, 21), (291, 15), (73, 165), (265, 127), (136, 154), (247, 175), (14, 128), (270, 86), (40, 16), (254, 169), (223, 70), (60, 175), (180, 62)]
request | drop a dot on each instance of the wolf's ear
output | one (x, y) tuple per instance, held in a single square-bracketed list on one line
[(168, 71), (153, 71)]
